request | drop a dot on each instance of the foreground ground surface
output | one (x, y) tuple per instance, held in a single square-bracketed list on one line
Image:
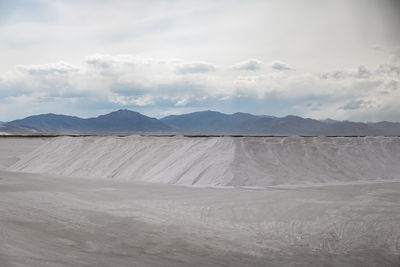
[(55, 221), (51, 220)]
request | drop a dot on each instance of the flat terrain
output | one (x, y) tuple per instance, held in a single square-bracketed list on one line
[(53, 220)]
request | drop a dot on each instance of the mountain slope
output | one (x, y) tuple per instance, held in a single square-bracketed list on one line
[(210, 122), (121, 121), (125, 121), (51, 122), (391, 128), (18, 130), (203, 123)]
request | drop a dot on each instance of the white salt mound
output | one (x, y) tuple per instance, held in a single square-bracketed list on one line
[(225, 161)]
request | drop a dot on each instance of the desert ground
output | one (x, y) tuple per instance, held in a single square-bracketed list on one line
[(210, 201)]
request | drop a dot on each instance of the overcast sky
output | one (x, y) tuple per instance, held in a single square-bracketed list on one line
[(338, 59)]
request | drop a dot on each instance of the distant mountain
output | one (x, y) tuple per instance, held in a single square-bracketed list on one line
[(328, 120), (210, 122), (201, 123), (2, 122), (392, 128), (51, 123), (118, 122), (126, 121)]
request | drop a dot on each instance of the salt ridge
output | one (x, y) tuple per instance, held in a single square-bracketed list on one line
[(219, 161)]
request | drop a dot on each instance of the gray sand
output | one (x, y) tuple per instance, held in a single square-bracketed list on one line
[(50, 220), (53, 221)]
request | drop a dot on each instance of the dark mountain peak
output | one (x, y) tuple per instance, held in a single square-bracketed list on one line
[(328, 120), (47, 116), (125, 120), (124, 111), (293, 117), (243, 114), (121, 114), (207, 113), (195, 115), (267, 117)]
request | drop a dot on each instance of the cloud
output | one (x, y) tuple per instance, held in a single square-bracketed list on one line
[(278, 65), (361, 73), (50, 68), (107, 61), (195, 68), (355, 104), (378, 48), (153, 86), (250, 64), (396, 55), (389, 69), (139, 101), (128, 89)]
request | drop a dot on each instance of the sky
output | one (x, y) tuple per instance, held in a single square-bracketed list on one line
[(336, 59)]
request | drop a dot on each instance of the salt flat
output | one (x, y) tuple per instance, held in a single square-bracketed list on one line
[(49, 219)]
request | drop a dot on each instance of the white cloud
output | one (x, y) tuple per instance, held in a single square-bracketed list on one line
[(198, 67), (389, 69), (355, 104), (50, 68), (154, 86), (361, 72), (140, 101), (250, 64)]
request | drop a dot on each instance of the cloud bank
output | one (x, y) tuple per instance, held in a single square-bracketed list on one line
[(171, 86)]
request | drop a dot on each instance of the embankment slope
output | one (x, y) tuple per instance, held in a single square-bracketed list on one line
[(225, 161)]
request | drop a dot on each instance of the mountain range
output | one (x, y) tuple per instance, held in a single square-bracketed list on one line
[(126, 122), (117, 122)]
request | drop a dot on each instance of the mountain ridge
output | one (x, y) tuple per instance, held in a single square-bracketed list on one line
[(207, 122), (117, 122)]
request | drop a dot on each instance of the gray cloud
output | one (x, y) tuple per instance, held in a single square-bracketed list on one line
[(195, 68), (389, 69), (128, 89), (361, 73), (278, 65), (396, 54), (108, 61), (355, 104), (250, 64), (51, 68), (378, 48)]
